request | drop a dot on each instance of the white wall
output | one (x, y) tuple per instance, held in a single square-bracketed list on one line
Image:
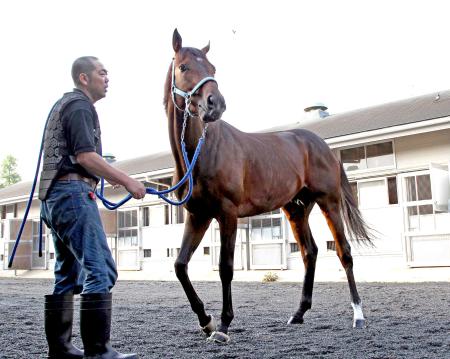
[(420, 150), (159, 238)]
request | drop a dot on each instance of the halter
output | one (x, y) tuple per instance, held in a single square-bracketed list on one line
[(186, 95)]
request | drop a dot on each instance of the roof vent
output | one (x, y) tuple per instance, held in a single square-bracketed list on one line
[(317, 111), (109, 157)]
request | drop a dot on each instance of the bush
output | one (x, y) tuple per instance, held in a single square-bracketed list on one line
[(270, 277)]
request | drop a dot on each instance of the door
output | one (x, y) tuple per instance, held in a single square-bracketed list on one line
[(426, 221), (240, 251)]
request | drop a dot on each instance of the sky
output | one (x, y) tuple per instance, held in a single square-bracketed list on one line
[(273, 59)]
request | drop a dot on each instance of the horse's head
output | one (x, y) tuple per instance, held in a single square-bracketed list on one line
[(193, 80)]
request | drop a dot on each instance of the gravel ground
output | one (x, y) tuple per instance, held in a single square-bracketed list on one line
[(407, 320)]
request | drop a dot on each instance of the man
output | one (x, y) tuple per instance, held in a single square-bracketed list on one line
[(84, 264)]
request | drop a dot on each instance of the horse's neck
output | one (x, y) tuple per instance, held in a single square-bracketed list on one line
[(192, 134)]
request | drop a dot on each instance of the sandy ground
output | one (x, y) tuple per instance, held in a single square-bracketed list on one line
[(154, 319)]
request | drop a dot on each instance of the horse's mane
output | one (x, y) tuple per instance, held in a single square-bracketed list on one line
[(167, 88)]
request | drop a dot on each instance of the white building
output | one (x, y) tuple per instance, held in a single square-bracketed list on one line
[(396, 156)]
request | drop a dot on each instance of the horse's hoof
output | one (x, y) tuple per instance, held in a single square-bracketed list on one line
[(219, 337), (209, 328), (359, 323), (295, 320)]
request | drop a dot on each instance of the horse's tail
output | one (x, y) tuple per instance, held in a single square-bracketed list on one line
[(355, 224)]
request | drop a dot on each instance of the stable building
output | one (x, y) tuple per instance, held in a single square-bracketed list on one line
[(396, 156)]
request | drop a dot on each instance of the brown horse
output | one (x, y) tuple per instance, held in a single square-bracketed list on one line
[(243, 174)]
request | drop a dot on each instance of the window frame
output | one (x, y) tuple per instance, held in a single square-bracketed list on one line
[(410, 204), (369, 169), (121, 244)]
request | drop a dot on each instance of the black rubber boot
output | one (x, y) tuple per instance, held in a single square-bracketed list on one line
[(58, 327), (95, 327)]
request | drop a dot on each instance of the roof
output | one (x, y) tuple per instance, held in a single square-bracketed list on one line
[(148, 163), (16, 190), (416, 109), (134, 166)]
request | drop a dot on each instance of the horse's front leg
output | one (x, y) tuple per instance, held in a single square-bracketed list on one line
[(228, 225), (194, 230)]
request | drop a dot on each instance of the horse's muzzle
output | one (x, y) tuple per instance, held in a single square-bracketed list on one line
[(215, 107)]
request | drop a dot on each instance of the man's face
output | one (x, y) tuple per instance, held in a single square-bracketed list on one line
[(97, 83)]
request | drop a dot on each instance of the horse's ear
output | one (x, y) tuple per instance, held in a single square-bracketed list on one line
[(176, 40), (206, 48)]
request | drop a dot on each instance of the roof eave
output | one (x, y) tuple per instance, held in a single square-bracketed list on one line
[(390, 132)]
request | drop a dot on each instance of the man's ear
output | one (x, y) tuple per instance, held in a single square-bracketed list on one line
[(84, 79)]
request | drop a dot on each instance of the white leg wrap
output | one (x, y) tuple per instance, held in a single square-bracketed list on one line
[(210, 327), (358, 316)]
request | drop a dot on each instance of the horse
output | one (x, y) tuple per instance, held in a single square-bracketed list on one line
[(242, 174)]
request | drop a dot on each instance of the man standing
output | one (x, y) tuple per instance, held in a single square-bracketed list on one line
[(84, 264)]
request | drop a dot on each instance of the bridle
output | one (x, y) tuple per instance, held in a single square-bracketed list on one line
[(186, 95)]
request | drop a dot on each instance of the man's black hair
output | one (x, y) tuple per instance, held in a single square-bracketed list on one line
[(84, 64)]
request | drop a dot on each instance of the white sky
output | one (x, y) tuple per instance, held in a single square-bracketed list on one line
[(273, 58)]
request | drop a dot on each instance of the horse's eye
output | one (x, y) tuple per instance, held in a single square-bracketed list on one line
[(183, 67)]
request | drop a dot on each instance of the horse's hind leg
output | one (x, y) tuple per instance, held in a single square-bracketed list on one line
[(297, 214), (195, 228), (331, 210)]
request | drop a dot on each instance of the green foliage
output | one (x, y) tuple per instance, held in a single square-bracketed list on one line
[(8, 172)]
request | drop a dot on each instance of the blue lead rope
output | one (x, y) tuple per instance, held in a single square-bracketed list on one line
[(161, 194)]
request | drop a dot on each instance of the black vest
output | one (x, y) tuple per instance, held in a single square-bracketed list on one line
[(55, 143)]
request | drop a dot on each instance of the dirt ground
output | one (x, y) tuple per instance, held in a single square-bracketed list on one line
[(154, 319)]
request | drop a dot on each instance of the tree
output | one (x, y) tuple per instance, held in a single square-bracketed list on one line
[(8, 174)]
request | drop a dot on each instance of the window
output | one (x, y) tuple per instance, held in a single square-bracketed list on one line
[(173, 252), (145, 216), (392, 190), (35, 226), (419, 206), (331, 246), (128, 228), (179, 214), (10, 211), (294, 247), (155, 215), (421, 212), (147, 253), (206, 251), (266, 228), (354, 188), (52, 255), (128, 218), (2, 257), (368, 156)]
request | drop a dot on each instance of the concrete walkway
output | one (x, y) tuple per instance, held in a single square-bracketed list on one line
[(324, 273)]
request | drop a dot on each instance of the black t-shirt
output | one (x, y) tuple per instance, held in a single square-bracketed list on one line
[(82, 133)]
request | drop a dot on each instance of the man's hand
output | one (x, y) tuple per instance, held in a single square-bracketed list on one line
[(95, 164), (136, 188)]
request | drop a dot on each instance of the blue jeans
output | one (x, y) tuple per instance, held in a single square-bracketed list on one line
[(83, 259)]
